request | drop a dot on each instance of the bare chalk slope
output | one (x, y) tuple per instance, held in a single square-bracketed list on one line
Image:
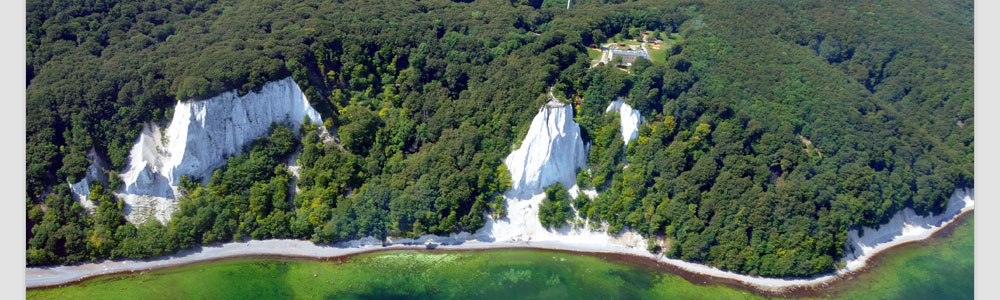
[(199, 139)]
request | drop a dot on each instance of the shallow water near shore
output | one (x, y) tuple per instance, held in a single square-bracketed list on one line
[(939, 268)]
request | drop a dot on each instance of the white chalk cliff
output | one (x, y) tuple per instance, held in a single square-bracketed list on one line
[(201, 136), (904, 226), (550, 153), (547, 156), (630, 119), (95, 174)]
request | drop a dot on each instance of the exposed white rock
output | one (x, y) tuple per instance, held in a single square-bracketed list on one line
[(199, 139), (293, 167), (550, 153), (140, 208), (590, 192), (905, 226), (522, 228), (630, 119), (522, 225), (95, 173)]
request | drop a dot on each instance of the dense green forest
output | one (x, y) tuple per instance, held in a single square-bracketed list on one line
[(554, 211), (770, 130)]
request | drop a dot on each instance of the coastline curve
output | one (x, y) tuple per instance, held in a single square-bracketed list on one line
[(56, 276)]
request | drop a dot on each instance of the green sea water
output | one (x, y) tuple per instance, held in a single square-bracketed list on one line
[(940, 269)]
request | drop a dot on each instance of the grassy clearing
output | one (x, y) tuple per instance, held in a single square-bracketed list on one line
[(594, 54), (630, 42), (658, 55)]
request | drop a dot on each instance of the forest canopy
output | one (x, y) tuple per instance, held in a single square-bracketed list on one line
[(770, 130)]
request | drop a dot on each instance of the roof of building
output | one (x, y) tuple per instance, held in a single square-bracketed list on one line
[(630, 52)]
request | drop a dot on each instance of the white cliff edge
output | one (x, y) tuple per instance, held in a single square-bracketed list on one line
[(630, 119), (904, 226), (551, 153), (199, 139), (95, 173)]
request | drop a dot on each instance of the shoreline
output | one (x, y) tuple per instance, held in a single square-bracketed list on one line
[(272, 249)]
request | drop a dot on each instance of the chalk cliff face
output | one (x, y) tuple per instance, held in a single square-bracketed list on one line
[(81, 189), (199, 139), (630, 119), (905, 225), (550, 153)]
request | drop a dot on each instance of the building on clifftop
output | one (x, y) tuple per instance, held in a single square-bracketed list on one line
[(629, 56)]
